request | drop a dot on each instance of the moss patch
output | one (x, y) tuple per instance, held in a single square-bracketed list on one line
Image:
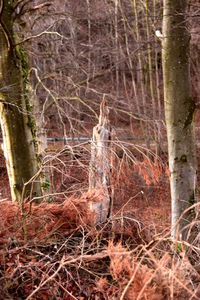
[(190, 114), (31, 122)]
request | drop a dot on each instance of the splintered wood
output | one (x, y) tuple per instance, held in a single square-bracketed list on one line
[(100, 165)]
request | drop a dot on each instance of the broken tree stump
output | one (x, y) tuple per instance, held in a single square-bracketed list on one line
[(101, 165)]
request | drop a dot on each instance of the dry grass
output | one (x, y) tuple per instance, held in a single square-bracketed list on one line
[(56, 251), (41, 222)]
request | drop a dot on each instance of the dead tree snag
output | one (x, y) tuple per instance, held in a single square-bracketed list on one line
[(100, 165)]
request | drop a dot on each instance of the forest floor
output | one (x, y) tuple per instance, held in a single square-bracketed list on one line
[(54, 251)]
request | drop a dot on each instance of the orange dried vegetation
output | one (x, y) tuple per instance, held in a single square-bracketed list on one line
[(136, 280), (150, 171), (44, 220)]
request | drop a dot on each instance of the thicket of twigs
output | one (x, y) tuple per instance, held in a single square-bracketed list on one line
[(81, 50), (54, 251)]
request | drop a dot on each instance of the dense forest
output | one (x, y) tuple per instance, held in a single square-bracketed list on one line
[(99, 164)]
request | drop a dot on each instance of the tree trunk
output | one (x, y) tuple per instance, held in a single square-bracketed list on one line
[(18, 127), (100, 165), (179, 113), (41, 138)]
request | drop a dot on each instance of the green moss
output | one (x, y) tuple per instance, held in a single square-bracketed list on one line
[(46, 184), (197, 191), (190, 113), (24, 64), (178, 247), (183, 158), (192, 199), (31, 121)]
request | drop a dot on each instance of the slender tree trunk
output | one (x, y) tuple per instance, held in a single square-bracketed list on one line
[(179, 112), (18, 128)]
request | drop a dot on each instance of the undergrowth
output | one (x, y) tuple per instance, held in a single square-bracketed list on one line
[(54, 250), (64, 256)]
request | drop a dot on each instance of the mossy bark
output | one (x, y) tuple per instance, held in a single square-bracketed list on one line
[(15, 112), (179, 112)]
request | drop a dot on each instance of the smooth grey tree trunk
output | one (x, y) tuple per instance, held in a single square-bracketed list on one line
[(18, 127), (179, 113)]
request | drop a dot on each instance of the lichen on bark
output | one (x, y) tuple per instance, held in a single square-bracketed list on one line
[(18, 144)]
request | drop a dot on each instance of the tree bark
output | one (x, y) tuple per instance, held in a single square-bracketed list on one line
[(100, 165), (18, 127), (179, 113)]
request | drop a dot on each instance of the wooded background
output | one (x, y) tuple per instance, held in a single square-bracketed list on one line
[(97, 114)]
